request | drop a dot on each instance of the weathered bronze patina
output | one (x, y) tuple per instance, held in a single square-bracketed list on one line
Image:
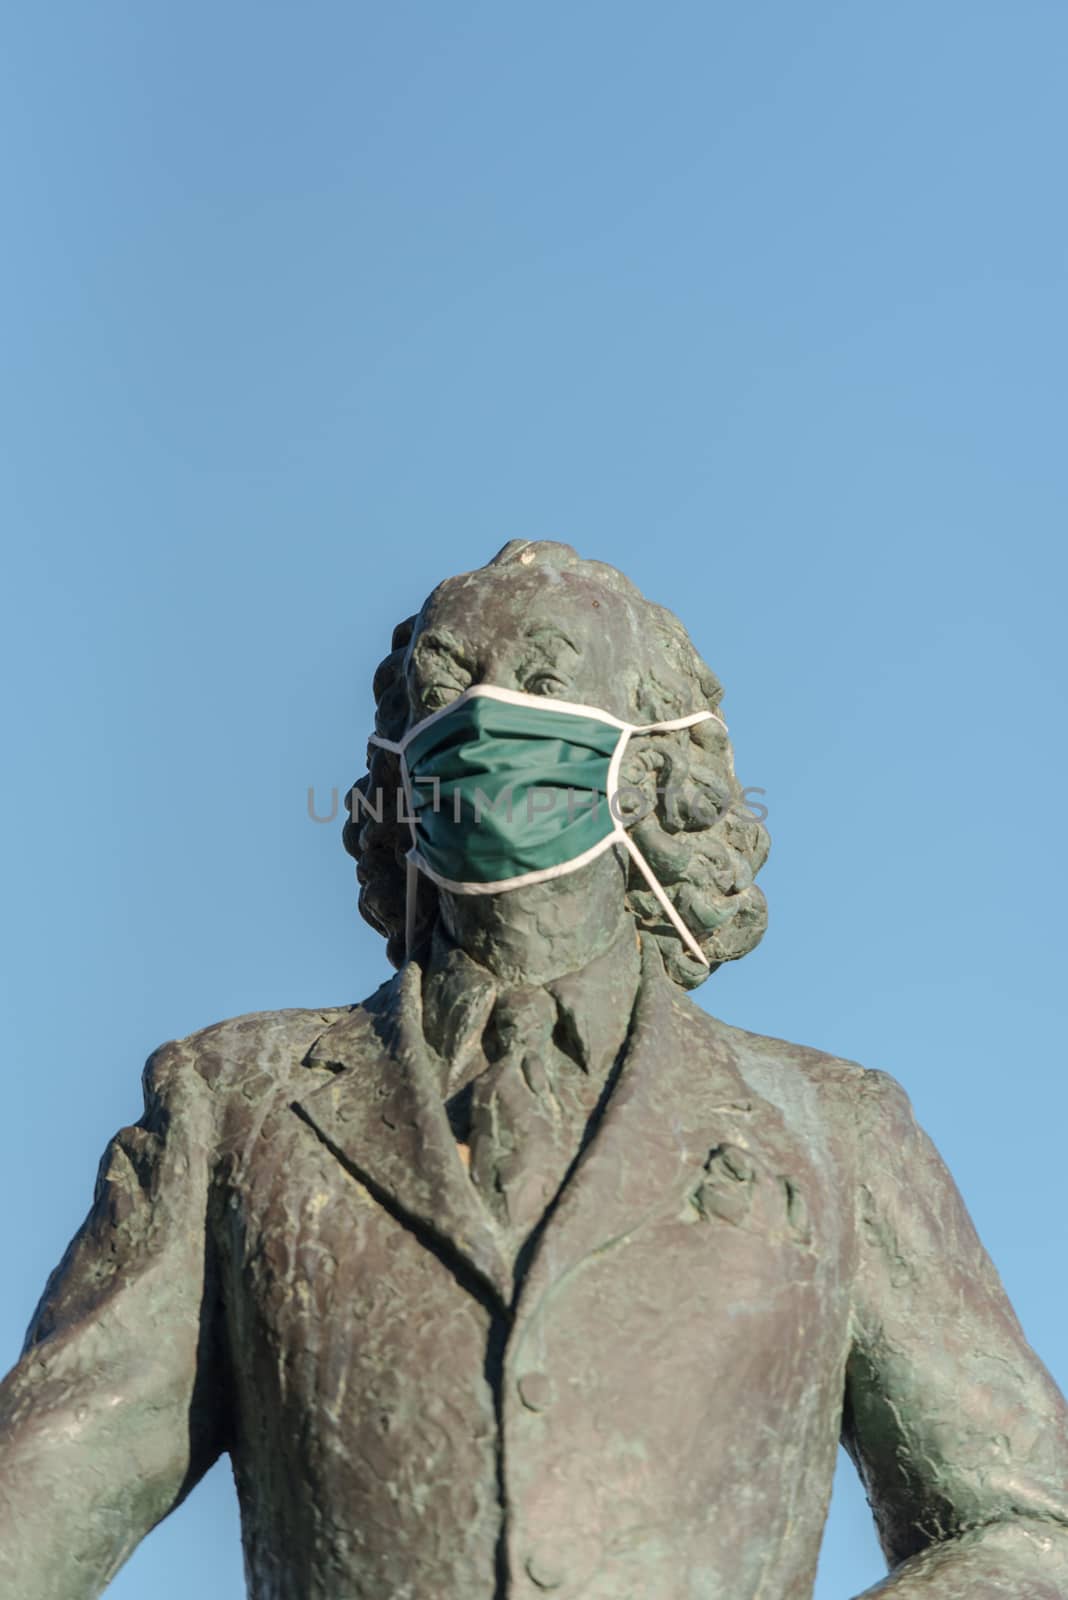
[(527, 1275)]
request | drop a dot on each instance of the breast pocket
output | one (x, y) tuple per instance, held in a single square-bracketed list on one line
[(738, 1188)]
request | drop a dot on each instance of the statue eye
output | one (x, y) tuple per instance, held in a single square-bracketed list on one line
[(546, 683), (437, 695)]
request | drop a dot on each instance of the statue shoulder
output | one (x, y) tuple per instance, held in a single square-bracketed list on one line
[(853, 1089), (252, 1053), (762, 1049)]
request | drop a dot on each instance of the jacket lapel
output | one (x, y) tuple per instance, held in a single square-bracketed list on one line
[(381, 1113), (679, 1097)]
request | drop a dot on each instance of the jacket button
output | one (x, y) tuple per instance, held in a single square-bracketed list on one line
[(545, 1570), (536, 1390)]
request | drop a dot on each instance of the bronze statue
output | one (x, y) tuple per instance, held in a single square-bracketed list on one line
[(527, 1275)]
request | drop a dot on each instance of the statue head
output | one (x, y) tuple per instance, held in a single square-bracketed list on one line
[(539, 619)]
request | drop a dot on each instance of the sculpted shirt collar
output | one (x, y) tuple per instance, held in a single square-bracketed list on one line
[(594, 1006)]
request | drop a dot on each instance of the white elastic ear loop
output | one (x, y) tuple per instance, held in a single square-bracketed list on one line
[(411, 872), (624, 837), (655, 885)]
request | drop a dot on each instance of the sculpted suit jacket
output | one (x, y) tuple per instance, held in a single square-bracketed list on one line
[(758, 1249)]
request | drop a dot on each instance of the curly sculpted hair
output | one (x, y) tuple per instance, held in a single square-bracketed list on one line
[(690, 819)]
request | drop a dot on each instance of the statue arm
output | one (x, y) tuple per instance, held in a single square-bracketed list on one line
[(114, 1410), (958, 1432)]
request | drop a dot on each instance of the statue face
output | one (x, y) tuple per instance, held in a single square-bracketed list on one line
[(530, 628), (539, 620)]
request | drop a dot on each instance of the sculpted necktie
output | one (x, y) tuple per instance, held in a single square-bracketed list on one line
[(526, 1112)]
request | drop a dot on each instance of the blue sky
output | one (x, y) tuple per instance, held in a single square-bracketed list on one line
[(307, 307)]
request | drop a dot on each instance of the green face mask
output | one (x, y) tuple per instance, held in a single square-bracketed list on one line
[(506, 789)]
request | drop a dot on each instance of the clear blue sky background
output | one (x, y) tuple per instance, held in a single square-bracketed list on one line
[(308, 306)]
